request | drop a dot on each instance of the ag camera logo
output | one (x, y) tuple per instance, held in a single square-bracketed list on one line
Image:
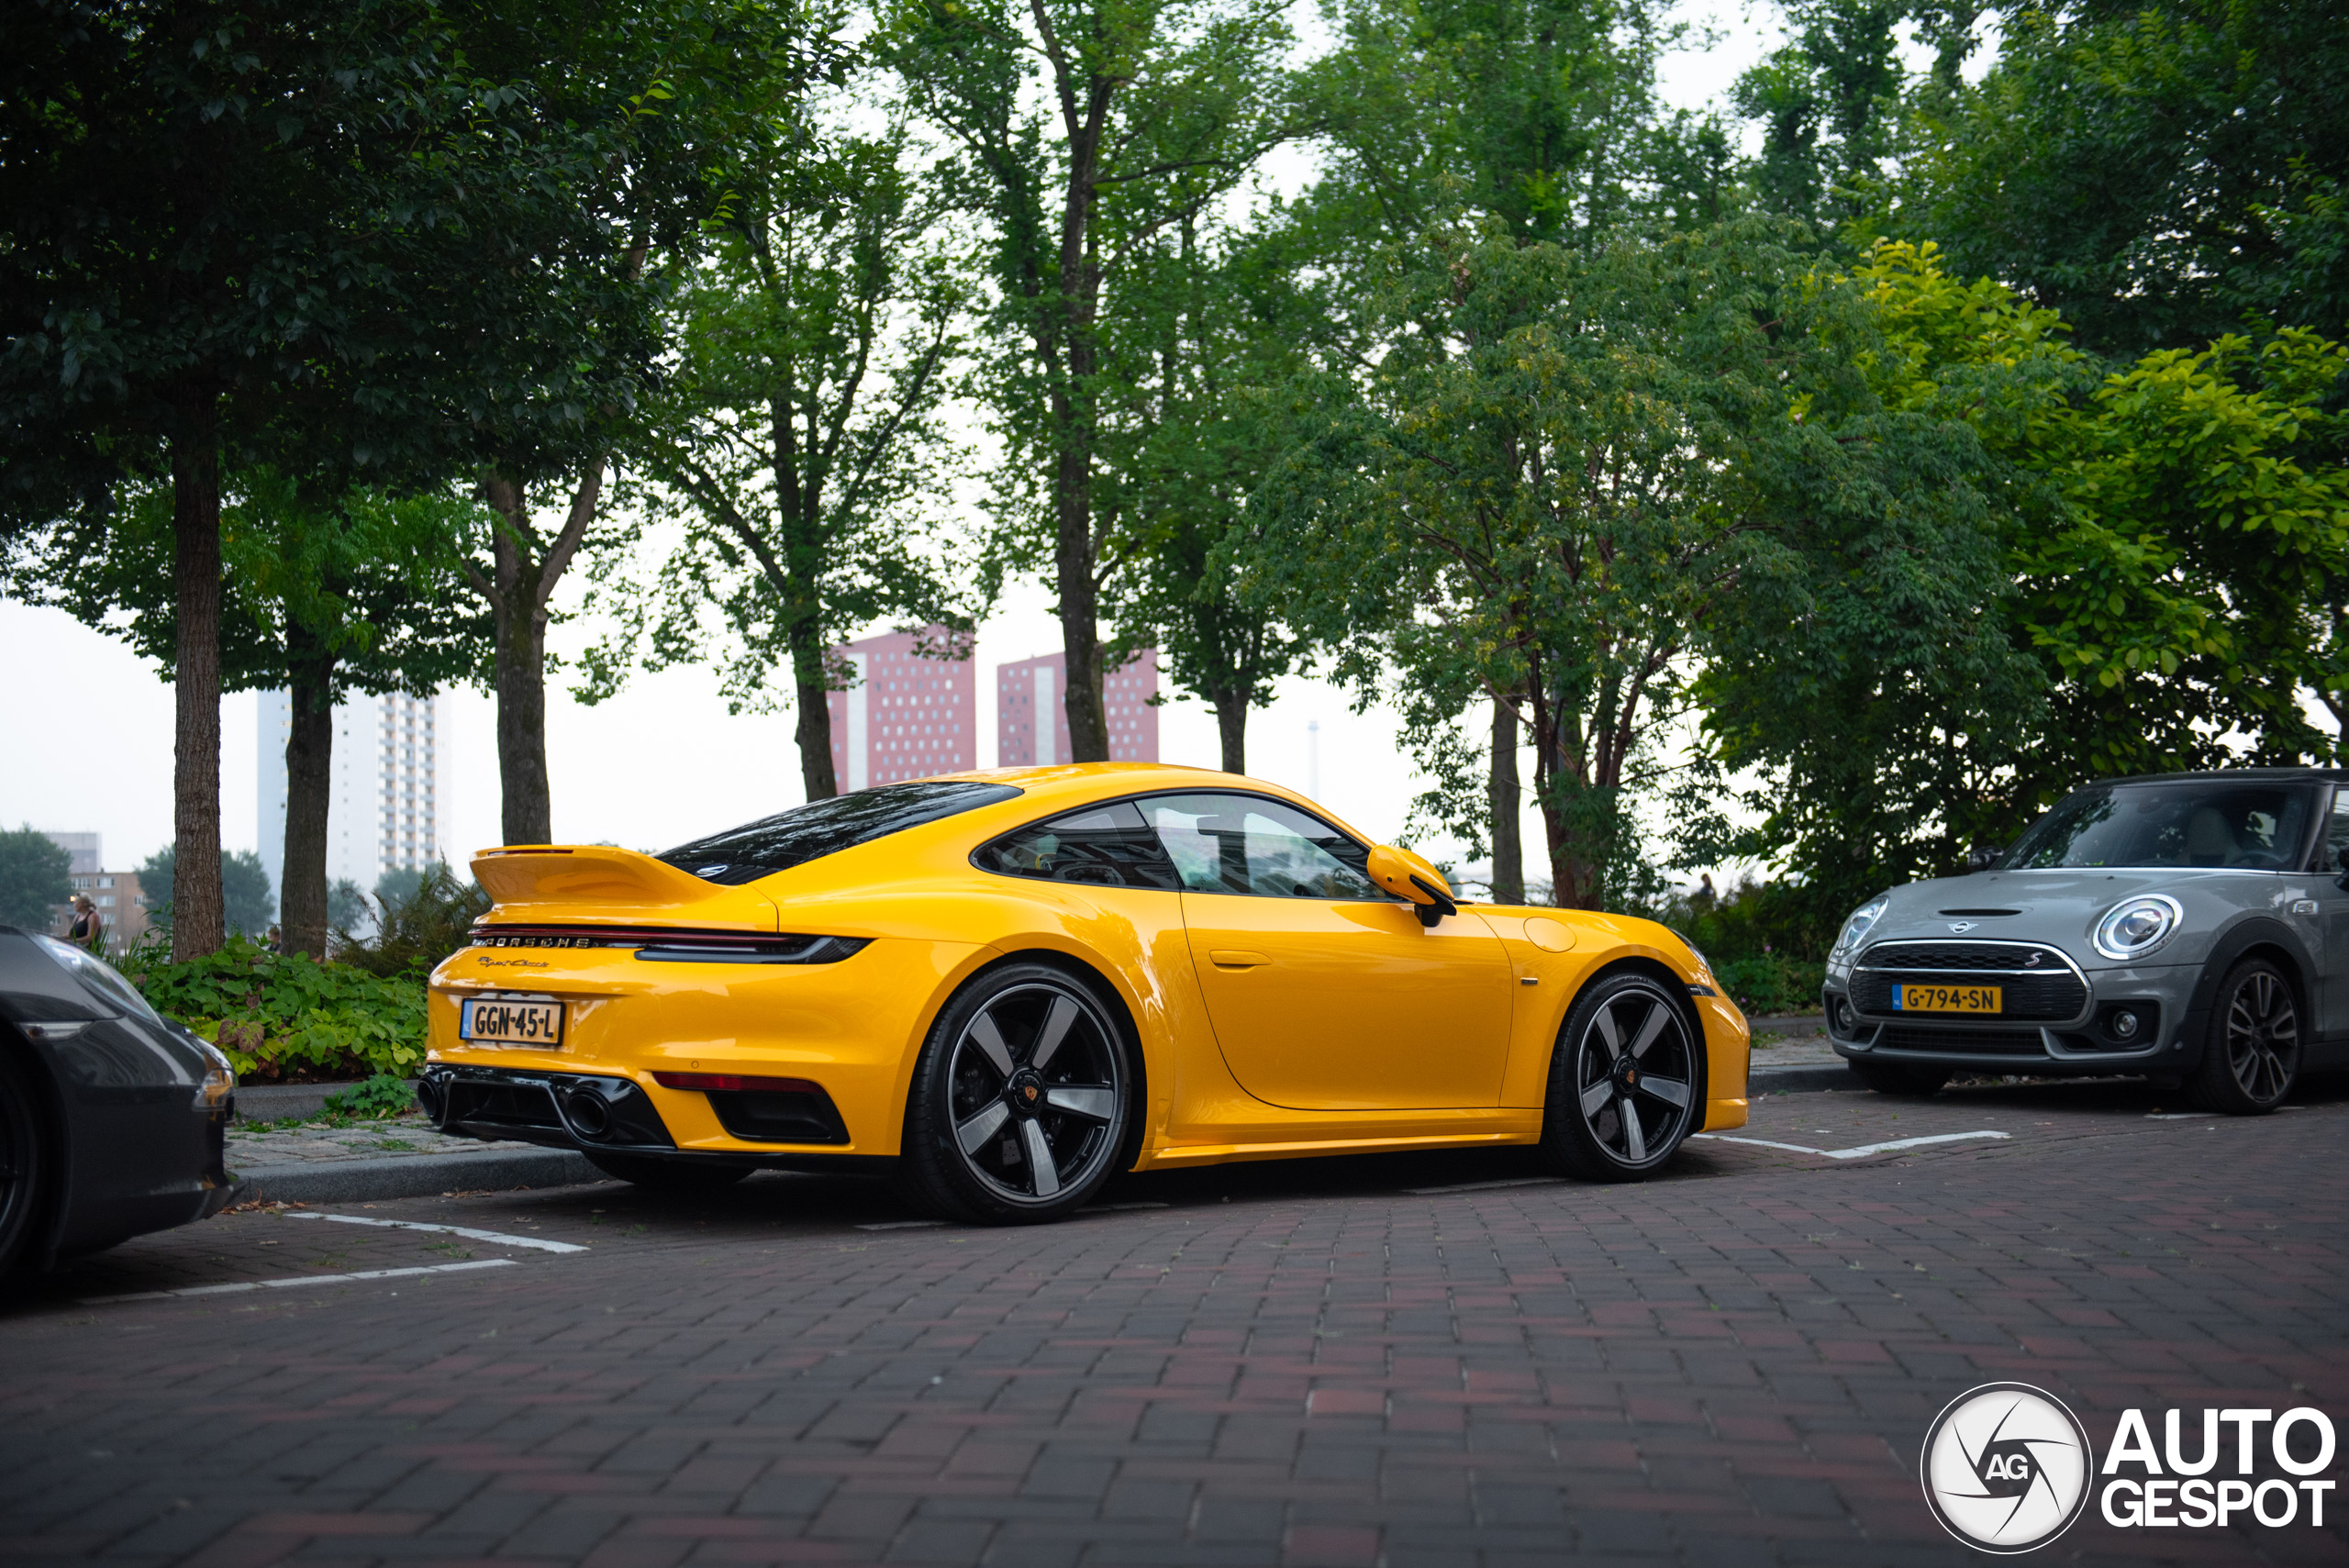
[(2007, 1467)]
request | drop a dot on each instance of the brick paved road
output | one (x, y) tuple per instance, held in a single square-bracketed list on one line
[(1307, 1364)]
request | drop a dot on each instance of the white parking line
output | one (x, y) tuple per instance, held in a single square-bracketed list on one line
[(467, 1232), (1862, 1153), (296, 1280)]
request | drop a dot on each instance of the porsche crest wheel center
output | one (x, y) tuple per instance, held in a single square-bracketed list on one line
[(1025, 1092)]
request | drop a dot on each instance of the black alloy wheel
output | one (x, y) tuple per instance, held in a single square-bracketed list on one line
[(1019, 1105), (1624, 1084), (23, 1163), (2251, 1057)]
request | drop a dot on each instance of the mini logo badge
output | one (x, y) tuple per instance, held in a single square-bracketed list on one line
[(2007, 1467), (1959, 927)]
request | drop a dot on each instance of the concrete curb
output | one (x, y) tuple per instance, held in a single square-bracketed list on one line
[(1796, 1080), (275, 1102), (413, 1175), (1791, 1023)]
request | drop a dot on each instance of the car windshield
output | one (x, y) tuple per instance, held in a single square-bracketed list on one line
[(826, 827), (2249, 827)]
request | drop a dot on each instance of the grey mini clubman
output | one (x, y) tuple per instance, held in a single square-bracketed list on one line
[(2192, 927)]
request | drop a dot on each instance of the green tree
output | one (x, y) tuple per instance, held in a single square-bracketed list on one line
[(2168, 545), (1145, 114), (322, 597), (1578, 466), (1826, 103), (250, 233), (1186, 434), (249, 905), (34, 877), (799, 431), (2152, 171)]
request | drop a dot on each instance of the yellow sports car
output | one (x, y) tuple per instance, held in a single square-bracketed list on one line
[(1005, 986)]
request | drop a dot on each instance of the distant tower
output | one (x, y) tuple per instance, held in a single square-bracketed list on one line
[(383, 791), (1031, 710), (907, 716)]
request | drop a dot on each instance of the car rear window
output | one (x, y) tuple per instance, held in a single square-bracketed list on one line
[(823, 828), (2245, 827)]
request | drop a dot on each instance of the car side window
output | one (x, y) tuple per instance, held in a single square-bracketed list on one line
[(1106, 846), (1245, 844), (2336, 842)]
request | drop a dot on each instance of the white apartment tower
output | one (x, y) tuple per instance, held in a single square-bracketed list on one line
[(383, 808)]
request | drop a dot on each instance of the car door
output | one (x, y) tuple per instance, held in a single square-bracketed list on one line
[(2332, 956), (1325, 993)]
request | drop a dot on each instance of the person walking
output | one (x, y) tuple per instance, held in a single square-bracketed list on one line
[(87, 931)]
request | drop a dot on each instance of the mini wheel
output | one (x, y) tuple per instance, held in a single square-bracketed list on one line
[(675, 1178), (1624, 1081), (1019, 1106), (2251, 1058)]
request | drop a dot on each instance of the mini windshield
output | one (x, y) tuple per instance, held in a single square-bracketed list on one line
[(2248, 827), (826, 827)]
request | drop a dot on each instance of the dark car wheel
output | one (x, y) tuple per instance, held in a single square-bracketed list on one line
[(1623, 1081), (2251, 1058), (24, 1158), (1900, 1078), (1019, 1105), (675, 1178)]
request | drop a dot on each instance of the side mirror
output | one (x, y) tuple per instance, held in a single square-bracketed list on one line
[(2343, 862), (1982, 857), (1411, 879)]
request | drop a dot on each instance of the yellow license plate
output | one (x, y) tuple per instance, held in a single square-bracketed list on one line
[(489, 1020), (1946, 998)]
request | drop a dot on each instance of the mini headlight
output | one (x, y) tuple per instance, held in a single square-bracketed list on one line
[(2135, 927), (1866, 916)]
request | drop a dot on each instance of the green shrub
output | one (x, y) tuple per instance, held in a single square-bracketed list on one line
[(421, 924), (1771, 983), (282, 1014), (384, 1094)]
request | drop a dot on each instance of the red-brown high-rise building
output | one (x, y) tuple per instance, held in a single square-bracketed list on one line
[(1030, 701), (910, 716)]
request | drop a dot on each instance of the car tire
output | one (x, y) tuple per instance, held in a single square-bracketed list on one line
[(23, 1163), (1905, 1079), (2251, 1051), (672, 1178), (1021, 1102), (1626, 1081)]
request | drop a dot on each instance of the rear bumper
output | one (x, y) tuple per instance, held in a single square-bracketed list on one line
[(603, 1113)]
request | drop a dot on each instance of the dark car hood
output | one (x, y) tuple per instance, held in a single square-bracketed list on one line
[(2060, 908)]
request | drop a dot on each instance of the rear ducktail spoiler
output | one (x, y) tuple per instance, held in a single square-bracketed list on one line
[(595, 882)]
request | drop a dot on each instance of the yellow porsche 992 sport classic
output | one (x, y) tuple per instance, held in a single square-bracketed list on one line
[(1009, 985)]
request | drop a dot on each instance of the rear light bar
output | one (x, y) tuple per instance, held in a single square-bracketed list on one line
[(662, 944), (735, 1083)]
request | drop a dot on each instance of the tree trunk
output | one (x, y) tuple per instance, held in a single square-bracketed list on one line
[(520, 590), (309, 757), (1231, 728), (1509, 838), (199, 920), (1088, 722), (814, 731)]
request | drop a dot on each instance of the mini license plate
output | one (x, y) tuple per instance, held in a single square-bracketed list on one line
[(489, 1020), (1946, 998)]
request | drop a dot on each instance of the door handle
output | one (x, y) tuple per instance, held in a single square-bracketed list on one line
[(1233, 957)]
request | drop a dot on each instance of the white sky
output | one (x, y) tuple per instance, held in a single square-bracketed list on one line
[(91, 725)]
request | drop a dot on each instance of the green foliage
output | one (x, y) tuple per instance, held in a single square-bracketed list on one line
[(248, 901), (346, 905), (2154, 170), (380, 1095), (420, 923), (280, 1015), (1823, 101), (34, 877)]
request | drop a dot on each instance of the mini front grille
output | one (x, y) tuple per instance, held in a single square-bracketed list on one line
[(1969, 1042), (1965, 958)]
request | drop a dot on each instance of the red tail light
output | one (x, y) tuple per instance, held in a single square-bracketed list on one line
[(735, 1081)]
